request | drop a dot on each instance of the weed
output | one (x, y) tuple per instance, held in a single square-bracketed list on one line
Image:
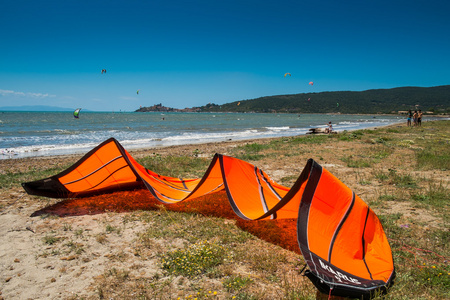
[(353, 162), (438, 159), (110, 229), (236, 283), (175, 166), (435, 195), (194, 260), (51, 239)]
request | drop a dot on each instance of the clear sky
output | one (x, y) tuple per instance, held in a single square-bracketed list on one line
[(190, 53)]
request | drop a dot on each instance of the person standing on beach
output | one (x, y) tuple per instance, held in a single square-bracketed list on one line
[(330, 128), (419, 118), (415, 118), (408, 120)]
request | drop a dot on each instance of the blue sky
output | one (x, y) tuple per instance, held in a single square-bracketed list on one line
[(189, 53)]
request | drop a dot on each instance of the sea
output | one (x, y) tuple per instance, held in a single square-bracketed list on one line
[(27, 134)]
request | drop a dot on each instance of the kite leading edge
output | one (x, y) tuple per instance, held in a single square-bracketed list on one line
[(340, 237)]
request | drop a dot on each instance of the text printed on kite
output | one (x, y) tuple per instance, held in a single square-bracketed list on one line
[(341, 239)]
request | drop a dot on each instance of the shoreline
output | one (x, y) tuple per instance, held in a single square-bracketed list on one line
[(139, 149), (184, 148)]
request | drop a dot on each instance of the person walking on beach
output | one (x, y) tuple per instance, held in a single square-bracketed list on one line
[(415, 118), (408, 120), (419, 118), (329, 129)]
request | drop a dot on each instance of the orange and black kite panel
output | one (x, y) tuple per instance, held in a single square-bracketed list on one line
[(340, 237)]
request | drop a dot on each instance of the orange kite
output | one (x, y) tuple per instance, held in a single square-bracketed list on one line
[(340, 237)]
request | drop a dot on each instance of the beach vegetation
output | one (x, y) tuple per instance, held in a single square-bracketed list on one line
[(175, 166), (51, 239), (354, 161), (195, 259)]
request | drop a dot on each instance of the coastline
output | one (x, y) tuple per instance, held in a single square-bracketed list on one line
[(57, 135)]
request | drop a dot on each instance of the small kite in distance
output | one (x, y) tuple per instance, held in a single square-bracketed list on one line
[(76, 113), (311, 83), (287, 74), (103, 71), (137, 92)]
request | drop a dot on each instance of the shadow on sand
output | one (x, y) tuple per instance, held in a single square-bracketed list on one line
[(278, 232)]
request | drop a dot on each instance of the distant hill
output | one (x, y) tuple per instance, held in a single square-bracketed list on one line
[(432, 99), (35, 108)]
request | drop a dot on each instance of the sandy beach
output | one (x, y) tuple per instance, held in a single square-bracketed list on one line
[(45, 256)]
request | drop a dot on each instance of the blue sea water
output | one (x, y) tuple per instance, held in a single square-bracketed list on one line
[(25, 134)]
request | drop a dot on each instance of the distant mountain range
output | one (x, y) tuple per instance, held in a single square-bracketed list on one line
[(385, 101)]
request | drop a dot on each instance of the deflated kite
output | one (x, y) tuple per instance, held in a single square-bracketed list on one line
[(340, 237)]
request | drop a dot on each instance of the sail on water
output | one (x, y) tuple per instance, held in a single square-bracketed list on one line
[(340, 237), (76, 113)]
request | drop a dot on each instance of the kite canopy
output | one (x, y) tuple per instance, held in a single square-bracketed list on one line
[(76, 113), (340, 237), (287, 74)]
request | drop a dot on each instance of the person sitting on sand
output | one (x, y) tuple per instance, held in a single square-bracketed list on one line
[(330, 128)]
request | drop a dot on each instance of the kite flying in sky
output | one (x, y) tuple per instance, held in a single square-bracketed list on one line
[(287, 74), (103, 71)]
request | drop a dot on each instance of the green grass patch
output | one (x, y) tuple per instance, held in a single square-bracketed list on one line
[(170, 225), (194, 260), (435, 195), (11, 179), (354, 162), (236, 283), (176, 166), (438, 159)]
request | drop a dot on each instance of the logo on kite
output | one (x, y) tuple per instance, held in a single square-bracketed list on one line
[(76, 113), (311, 83), (287, 74), (103, 71)]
